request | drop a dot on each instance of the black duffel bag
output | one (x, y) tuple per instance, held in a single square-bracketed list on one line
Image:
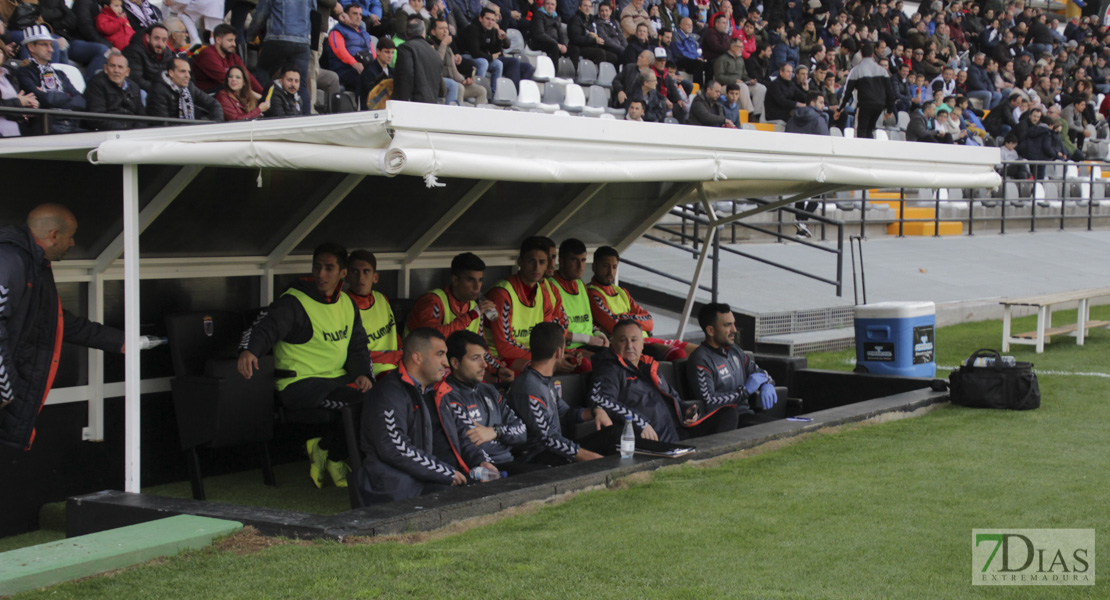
[(995, 386)]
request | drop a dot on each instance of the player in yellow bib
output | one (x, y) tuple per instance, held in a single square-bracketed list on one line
[(377, 316), (316, 334), (567, 283)]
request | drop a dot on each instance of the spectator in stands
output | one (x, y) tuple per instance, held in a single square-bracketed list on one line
[(783, 95), (112, 92), (415, 8), (51, 88), (473, 414), (731, 68), (810, 118), (632, 16), (611, 303), (177, 97), (1039, 141), (786, 51), (656, 106), (179, 34), (567, 283), (583, 37), (667, 86), (12, 97), (330, 370), (687, 52), (520, 302), (921, 127), (721, 374), (671, 14), (730, 100), (706, 110), (142, 15), (1038, 39), (635, 111), (373, 15), (71, 46), (638, 43), (283, 93), (417, 77), (397, 434), (1002, 119), (288, 25), (626, 383), (453, 77), (148, 56), (85, 13), (237, 100), (1010, 155), (544, 412), (628, 81), (349, 53), (380, 69), (112, 23), (873, 92), (716, 41), (377, 316), (213, 62), (548, 34), (609, 29), (485, 43), (980, 82), (900, 84), (945, 82)]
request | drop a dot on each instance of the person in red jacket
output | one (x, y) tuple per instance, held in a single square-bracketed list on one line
[(114, 26), (238, 100), (211, 64)]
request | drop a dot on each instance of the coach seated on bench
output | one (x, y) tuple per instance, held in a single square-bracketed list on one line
[(626, 383), (719, 373)]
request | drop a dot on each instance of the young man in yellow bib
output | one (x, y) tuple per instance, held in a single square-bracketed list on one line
[(316, 333), (377, 316), (523, 301), (610, 304), (566, 282)]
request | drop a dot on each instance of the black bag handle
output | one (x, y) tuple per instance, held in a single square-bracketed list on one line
[(983, 353)]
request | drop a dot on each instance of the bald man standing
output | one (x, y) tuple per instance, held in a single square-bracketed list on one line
[(33, 324)]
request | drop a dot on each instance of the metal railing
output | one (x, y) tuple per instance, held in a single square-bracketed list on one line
[(48, 114)]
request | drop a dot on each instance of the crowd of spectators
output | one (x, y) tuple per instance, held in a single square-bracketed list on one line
[(963, 72)]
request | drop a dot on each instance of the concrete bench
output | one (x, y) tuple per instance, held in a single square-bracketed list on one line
[(82, 556), (1044, 304)]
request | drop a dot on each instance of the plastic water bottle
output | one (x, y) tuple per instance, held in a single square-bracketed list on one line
[(628, 439), (987, 361), (489, 313), (146, 342), (483, 474)]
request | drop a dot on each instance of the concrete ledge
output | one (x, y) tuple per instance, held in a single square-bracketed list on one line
[(111, 508), (65, 560)]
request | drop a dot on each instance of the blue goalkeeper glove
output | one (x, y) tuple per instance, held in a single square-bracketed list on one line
[(768, 396), (755, 380)]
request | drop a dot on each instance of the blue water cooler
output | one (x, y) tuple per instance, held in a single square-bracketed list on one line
[(896, 338)]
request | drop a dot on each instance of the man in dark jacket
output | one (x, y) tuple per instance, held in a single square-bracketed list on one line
[(176, 96), (485, 43), (51, 87), (397, 430), (706, 110), (810, 118), (284, 93), (316, 333), (111, 92), (626, 383), (543, 410), (474, 413), (148, 55), (873, 92), (921, 129), (548, 35), (721, 374), (418, 76), (1001, 120), (63, 21), (783, 95), (582, 35), (980, 82), (32, 319)]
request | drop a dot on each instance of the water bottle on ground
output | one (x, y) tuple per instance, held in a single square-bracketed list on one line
[(628, 439), (483, 474)]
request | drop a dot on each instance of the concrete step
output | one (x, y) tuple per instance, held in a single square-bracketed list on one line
[(82, 556), (805, 342)]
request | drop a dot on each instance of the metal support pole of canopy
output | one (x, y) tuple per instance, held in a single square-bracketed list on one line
[(132, 395)]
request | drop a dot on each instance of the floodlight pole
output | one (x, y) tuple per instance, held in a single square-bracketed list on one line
[(132, 376)]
